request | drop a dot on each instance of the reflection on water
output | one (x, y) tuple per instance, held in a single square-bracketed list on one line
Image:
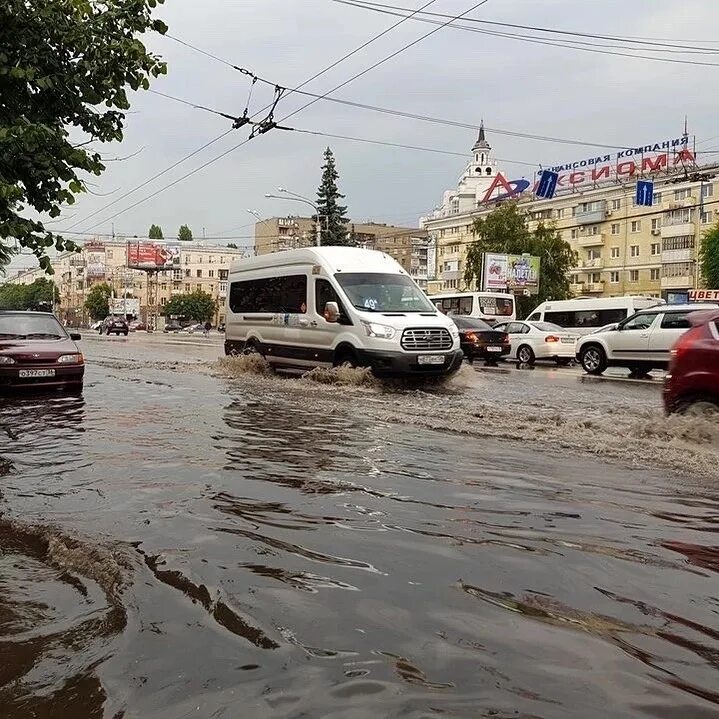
[(272, 557)]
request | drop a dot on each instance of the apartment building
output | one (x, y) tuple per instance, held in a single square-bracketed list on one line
[(408, 245), (195, 266), (622, 248)]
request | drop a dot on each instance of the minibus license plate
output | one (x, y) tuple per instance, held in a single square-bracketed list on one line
[(27, 373), (430, 359)]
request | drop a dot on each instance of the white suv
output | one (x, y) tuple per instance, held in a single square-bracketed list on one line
[(641, 342)]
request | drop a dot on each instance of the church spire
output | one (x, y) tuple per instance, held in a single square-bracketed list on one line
[(481, 143)]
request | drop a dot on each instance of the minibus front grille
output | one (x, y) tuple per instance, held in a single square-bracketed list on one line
[(426, 339)]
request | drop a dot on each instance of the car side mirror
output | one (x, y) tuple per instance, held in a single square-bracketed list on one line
[(332, 312), (75, 336)]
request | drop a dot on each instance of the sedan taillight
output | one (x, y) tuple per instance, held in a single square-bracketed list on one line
[(551, 338)]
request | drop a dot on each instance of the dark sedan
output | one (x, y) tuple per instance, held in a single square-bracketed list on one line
[(479, 341), (36, 351), (115, 325)]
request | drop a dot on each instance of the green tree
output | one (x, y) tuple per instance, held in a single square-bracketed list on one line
[(184, 234), (197, 305), (505, 230), (155, 232), (332, 216), (98, 301), (65, 65), (38, 295), (709, 257)]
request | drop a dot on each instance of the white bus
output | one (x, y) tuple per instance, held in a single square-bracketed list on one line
[(332, 306), (492, 307), (588, 314)]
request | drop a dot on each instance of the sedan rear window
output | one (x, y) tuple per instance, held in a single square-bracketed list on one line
[(30, 327)]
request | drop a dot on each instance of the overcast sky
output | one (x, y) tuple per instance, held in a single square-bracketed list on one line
[(456, 75)]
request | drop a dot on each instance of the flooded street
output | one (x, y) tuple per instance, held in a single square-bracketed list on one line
[(194, 540)]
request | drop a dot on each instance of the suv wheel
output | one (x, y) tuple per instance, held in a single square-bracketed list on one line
[(593, 359)]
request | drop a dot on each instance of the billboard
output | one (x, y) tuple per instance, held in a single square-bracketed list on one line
[(152, 256), (703, 295), (125, 306), (515, 273), (94, 259)]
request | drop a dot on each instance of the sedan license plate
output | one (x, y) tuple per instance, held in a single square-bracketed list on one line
[(430, 359), (494, 349), (28, 373)]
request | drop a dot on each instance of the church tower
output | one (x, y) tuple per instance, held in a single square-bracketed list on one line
[(481, 165)]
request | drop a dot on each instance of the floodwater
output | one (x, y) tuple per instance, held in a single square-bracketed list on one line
[(187, 542)]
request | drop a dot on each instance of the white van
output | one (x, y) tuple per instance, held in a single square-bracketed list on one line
[(491, 307), (330, 306), (583, 315)]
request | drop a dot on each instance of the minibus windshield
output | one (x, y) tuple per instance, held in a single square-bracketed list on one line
[(383, 292)]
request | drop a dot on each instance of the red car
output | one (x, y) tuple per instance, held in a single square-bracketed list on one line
[(692, 385), (36, 351)]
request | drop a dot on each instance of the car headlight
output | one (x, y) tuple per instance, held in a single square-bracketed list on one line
[(374, 329), (71, 359), (4, 359), (454, 330)]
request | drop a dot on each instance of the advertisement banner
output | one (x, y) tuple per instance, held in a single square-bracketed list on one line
[(94, 259), (152, 256), (125, 306), (516, 273), (703, 295)]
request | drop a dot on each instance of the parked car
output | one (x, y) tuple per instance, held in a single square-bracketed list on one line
[(114, 326), (531, 341), (199, 327), (137, 326), (172, 327), (641, 342), (692, 385), (36, 351), (96, 325), (480, 341)]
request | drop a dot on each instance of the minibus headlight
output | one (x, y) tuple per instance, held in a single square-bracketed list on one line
[(454, 330), (374, 329)]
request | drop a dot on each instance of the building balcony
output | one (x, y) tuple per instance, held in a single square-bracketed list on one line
[(594, 287), (679, 230), (577, 288), (591, 240), (591, 217), (451, 275), (685, 255), (682, 282), (595, 264)]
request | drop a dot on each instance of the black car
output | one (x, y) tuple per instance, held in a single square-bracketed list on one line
[(479, 341), (172, 327), (114, 326)]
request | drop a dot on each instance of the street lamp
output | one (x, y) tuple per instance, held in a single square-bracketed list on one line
[(256, 215), (300, 198)]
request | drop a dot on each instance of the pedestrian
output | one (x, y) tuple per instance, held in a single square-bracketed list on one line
[(208, 326)]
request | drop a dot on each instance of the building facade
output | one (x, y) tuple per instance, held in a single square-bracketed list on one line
[(622, 248), (197, 266)]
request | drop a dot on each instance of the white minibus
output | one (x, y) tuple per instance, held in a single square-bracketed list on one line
[(588, 314), (492, 307), (331, 306)]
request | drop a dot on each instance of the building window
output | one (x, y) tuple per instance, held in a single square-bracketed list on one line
[(677, 269), (707, 190), (685, 242), (176, 274), (614, 277), (199, 274), (615, 253), (163, 300), (636, 225), (634, 251), (682, 194), (679, 217), (595, 277), (656, 198), (656, 224), (593, 231), (163, 286), (560, 214), (706, 218), (188, 273), (654, 273), (210, 273), (108, 253), (634, 275), (656, 248), (615, 228), (187, 287), (616, 204), (223, 286), (594, 254), (574, 234)]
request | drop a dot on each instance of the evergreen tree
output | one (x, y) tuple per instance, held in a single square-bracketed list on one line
[(709, 258), (184, 234), (333, 219), (155, 232)]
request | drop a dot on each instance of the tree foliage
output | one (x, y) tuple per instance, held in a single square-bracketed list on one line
[(155, 232), (232, 245), (333, 216), (184, 234), (505, 230), (709, 257), (39, 295), (98, 301), (65, 67), (197, 305)]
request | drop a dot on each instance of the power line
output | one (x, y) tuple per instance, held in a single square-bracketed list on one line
[(534, 40), (377, 64), (628, 39)]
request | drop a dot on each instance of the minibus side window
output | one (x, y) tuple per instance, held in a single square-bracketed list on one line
[(324, 293), (272, 294)]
